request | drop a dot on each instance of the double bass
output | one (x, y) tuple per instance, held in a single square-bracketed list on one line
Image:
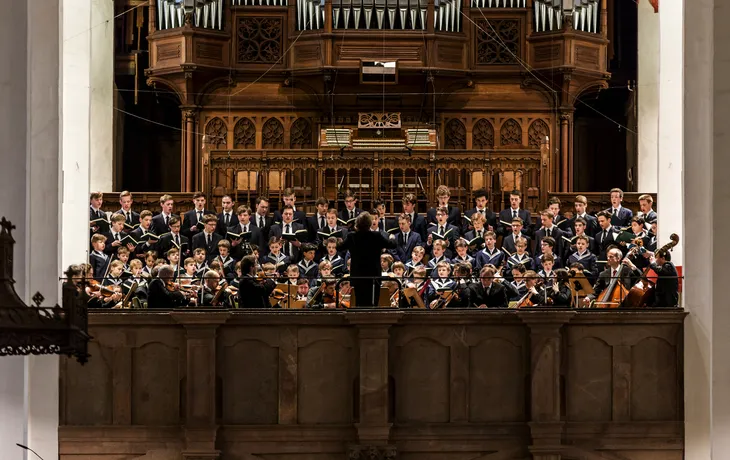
[(615, 294), (642, 292)]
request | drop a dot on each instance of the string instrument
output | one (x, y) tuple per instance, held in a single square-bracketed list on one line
[(615, 294), (344, 301), (220, 290), (103, 291), (526, 301), (642, 292), (187, 291), (444, 299)]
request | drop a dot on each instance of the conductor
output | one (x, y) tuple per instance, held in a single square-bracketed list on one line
[(365, 247)]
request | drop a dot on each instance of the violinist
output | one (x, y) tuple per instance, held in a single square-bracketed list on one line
[(628, 276), (253, 292), (74, 276), (441, 285), (556, 291), (327, 296), (211, 286), (462, 274), (486, 293), (162, 293), (302, 289), (666, 289)]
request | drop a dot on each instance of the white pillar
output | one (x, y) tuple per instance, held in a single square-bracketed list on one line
[(671, 124), (101, 89), (29, 120), (706, 341), (76, 127), (648, 97)]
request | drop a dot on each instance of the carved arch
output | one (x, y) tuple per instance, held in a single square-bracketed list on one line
[(537, 132), (300, 134), (482, 135), (217, 132), (510, 133), (272, 134), (455, 134), (152, 82), (244, 134), (209, 89)]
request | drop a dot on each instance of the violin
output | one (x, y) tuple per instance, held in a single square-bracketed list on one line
[(526, 301), (104, 291)]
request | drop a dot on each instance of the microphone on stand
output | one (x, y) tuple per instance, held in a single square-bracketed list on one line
[(28, 448)]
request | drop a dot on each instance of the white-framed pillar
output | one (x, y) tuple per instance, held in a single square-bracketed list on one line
[(101, 94), (648, 97)]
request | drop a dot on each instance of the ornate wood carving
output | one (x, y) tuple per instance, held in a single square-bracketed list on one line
[(537, 132), (272, 134), (217, 133), (379, 120), (510, 133), (455, 134), (259, 39), (502, 49), (482, 135), (301, 134), (244, 134)]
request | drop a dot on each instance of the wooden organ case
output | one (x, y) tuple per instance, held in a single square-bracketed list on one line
[(272, 96)]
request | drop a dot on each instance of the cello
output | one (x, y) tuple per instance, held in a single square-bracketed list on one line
[(642, 292), (615, 294)]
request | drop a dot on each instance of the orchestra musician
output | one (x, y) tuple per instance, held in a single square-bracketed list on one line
[(253, 291), (666, 289), (486, 293), (365, 247), (628, 277), (161, 293)]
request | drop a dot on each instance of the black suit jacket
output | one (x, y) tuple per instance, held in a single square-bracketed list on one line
[(419, 225), (386, 223), (365, 249), (451, 237), (158, 296), (489, 214), (313, 226), (454, 216), (591, 225), (623, 219), (159, 227), (132, 220), (277, 230), (666, 293), (264, 232), (628, 279), (190, 218), (497, 297), (603, 244), (237, 251), (103, 227), (211, 250), (344, 214), (508, 243), (299, 217), (253, 293), (221, 228), (556, 234), (166, 243), (403, 249), (505, 215), (109, 249), (143, 247)]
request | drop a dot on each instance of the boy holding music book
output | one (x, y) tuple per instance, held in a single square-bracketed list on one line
[(490, 254)]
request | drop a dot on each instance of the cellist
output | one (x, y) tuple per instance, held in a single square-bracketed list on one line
[(666, 289), (627, 277)]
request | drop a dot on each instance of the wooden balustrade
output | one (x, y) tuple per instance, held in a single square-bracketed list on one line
[(372, 384)]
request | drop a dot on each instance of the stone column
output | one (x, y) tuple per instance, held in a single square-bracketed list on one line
[(671, 124), (188, 162), (565, 121), (546, 426), (200, 390), (101, 95), (374, 427), (648, 97)]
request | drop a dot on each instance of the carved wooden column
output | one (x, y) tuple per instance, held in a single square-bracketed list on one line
[(546, 425), (565, 119), (188, 163), (152, 24), (200, 389), (373, 429)]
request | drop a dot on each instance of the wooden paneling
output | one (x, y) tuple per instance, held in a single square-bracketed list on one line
[(311, 385)]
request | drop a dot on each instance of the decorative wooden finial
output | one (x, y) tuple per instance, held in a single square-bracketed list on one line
[(7, 226)]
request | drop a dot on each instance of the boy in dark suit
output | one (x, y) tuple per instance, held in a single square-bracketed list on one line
[(620, 216), (561, 222), (195, 215), (318, 222), (227, 217), (290, 227), (443, 230), (131, 218), (263, 222), (506, 215), (351, 210), (481, 200), (161, 222), (243, 225), (290, 199), (549, 229), (406, 240), (208, 238), (591, 223), (453, 213), (101, 225), (509, 242), (174, 239), (418, 222), (145, 227), (97, 258), (569, 247), (604, 237)]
